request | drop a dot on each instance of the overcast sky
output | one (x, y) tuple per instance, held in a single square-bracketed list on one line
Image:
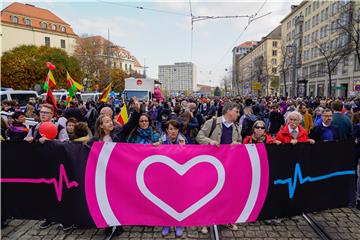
[(161, 32)]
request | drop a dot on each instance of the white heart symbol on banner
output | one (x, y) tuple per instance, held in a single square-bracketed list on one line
[(181, 169)]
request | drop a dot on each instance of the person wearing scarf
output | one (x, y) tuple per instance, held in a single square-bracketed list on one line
[(173, 136), (259, 134), (144, 133), (17, 130)]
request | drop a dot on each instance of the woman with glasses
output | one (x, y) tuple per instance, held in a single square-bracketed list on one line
[(259, 134), (144, 133)]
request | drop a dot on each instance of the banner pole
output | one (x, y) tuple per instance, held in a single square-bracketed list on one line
[(214, 233)]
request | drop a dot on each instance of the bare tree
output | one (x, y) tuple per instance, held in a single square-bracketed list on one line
[(285, 65), (332, 54), (349, 23)]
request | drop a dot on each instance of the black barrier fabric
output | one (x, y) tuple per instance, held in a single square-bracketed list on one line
[(41, 181)]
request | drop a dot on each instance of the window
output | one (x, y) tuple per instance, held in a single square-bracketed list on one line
[(63, 29), (334, 8), (274, 44), (62, 43), (15, 19), (53, 27), (27, 22), (273, 61), (47, 41), (274, 70), (44, 25), (274, 53)]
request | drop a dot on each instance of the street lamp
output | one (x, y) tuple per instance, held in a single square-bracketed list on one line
[(292, 49)]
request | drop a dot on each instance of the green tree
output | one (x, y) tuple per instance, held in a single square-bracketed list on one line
[(217, 92), (25, 66)]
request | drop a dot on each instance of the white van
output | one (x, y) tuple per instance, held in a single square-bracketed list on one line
[(61, 95), (21, 96), (94, 96)]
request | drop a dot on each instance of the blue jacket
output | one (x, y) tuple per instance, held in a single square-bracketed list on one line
[(317, 133), (344, 125)]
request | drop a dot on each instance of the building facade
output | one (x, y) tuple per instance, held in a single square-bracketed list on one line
[(26, 24), (238, 53), (318, 49), (179, 77), (258, 70)]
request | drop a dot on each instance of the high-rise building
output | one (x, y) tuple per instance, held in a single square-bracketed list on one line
[(26, 24), (178, 77)]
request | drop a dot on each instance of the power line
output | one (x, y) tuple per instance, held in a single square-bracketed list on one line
[(250, 20), (145, 8)]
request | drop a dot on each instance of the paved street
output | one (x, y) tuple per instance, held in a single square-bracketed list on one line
[(343, 223)]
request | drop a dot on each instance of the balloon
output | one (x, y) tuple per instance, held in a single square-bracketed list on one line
[(48, 130), (50, 66)]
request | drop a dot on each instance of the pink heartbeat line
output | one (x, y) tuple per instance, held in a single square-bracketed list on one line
[(58, 184)]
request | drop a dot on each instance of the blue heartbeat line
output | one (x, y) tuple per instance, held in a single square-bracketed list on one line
[(298, 177)]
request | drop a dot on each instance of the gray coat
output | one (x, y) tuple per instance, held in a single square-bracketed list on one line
[(203, 135)]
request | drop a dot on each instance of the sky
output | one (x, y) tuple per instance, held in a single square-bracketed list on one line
[(160, 33)]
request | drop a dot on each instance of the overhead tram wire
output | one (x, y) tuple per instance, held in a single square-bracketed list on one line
[(250, 20), (144, 8)]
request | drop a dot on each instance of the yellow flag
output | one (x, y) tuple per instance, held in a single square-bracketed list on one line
[(104, 97), (76, 84), (123, 117)]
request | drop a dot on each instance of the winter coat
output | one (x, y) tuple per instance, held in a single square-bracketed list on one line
[(203, 135), (285, 136), (249, 139)]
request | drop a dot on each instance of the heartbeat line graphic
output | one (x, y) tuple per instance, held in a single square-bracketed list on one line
[(58, 184), (298, 177)]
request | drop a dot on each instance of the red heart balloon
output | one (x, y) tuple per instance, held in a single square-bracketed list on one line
[(48, 130), (50, 66)]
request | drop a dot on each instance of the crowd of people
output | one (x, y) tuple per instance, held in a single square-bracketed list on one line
[(188, 120)]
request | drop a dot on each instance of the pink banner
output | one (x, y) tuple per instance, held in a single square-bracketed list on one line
[(174, 185)]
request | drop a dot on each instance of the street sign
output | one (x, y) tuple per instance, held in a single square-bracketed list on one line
[(357, 88), (340, 88)]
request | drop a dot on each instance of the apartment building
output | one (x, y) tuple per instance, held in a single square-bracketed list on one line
[(179, 77), (316, 43), (258, 70), (26, 24)]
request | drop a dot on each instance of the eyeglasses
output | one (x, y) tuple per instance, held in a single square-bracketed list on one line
[(45, 113), (258, 127)]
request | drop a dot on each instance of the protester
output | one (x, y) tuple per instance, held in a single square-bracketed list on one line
[(91, 115), (341, 121), (247, 121), (276, 120), (81, 132), (189, 126), (307, 120), (70, 126), (17, 131), (356, 124), (74, 112), (173, 136), (318, 114), (293, 132), (259, 134), (46, 115), (326, 131), (221, 130), (144, 133)]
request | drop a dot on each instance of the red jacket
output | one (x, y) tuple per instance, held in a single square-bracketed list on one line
[(285, 137), (249, 139)]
